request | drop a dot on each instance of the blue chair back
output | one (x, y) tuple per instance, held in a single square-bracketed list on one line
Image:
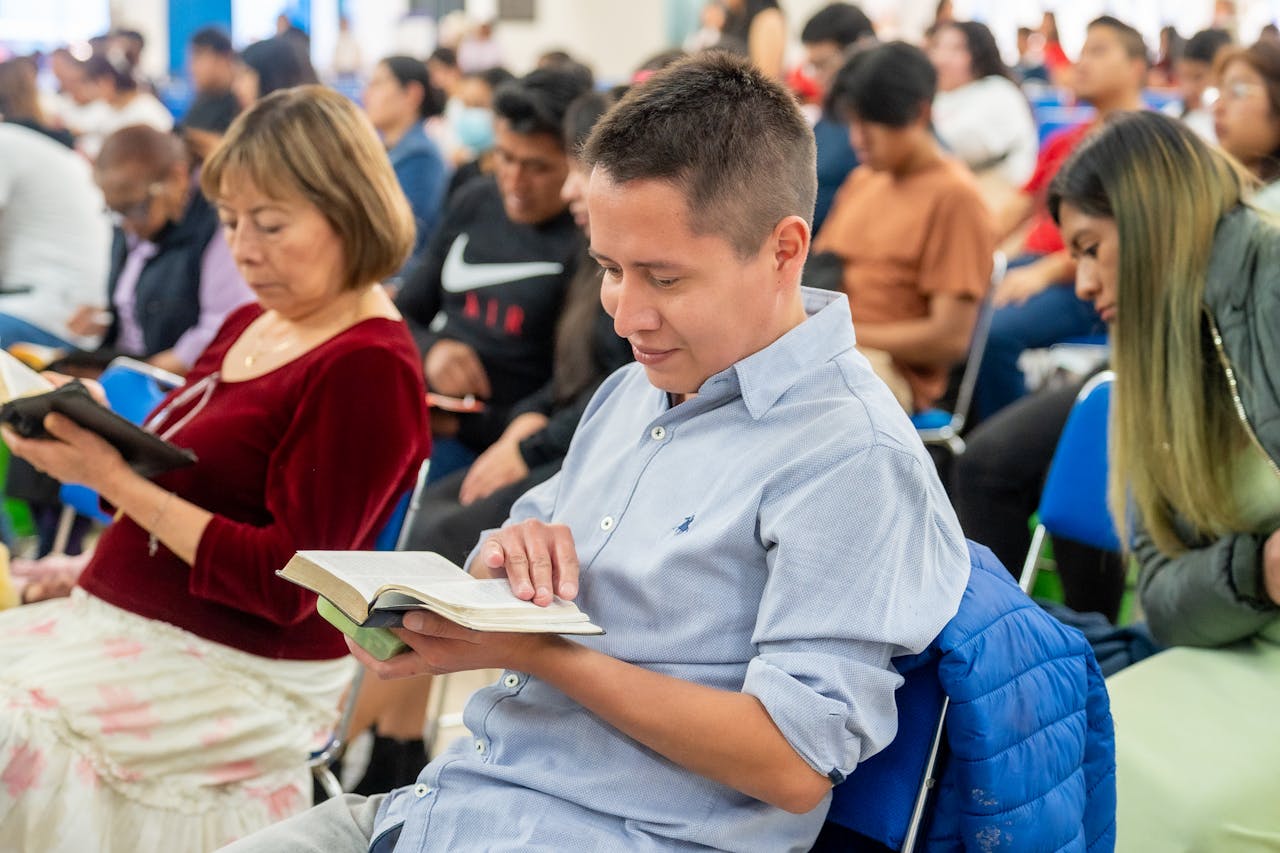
[(133, 390), (1011, 670), (878, 800), (1074, 501)]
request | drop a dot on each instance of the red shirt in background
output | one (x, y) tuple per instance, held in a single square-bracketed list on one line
[(313, 454), (1044, 238)]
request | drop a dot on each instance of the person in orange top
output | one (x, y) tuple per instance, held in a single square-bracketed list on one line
[(910, 227)]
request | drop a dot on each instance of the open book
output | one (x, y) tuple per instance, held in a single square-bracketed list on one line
[(374, 589), (26, 398)]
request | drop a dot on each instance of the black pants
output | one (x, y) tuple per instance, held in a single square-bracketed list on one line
[(996, 486), (450, 529)]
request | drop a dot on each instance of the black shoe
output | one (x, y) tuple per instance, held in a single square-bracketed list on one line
[(393, 763)]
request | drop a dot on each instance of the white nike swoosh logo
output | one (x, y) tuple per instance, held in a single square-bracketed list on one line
[(458, 276)]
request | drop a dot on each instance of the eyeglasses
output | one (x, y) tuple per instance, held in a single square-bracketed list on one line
[(1236, 91), (136, 211)]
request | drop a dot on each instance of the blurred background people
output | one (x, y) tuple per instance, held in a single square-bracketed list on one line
[(911, 231), (173, 279), (761, 26), (1246, 115), (1194, 77), (827, 38), (54, 239), (212, 62), (20, 101), (118, 103), (980, 114), (398, 99), (268, 65)]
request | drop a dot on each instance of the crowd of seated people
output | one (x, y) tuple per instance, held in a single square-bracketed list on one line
[(465, 265)]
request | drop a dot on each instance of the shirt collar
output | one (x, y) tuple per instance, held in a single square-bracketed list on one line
[(763, 377)]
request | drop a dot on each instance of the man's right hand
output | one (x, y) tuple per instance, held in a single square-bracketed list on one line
[(454, 369), (536, 558)]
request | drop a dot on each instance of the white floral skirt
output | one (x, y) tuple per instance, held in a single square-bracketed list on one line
[(119, 733)]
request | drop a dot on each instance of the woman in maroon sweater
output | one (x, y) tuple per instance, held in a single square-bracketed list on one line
[(171, 701)]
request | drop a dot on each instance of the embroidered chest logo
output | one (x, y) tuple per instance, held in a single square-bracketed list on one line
[(684, 525)]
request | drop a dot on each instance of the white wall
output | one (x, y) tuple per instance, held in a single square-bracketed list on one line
[(612, 36), (151, 18)]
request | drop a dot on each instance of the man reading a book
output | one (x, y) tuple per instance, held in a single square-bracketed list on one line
[(746, 511)]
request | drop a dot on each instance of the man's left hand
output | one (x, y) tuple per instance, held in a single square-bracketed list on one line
[(438, 646)]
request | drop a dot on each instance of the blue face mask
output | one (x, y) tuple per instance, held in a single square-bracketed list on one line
[(474, 127)]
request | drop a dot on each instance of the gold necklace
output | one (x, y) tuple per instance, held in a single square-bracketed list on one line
[(260, 350)]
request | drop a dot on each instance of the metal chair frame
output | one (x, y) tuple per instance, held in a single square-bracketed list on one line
[(338, 740), (948, 435)]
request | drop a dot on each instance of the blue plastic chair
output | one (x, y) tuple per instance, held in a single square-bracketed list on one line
[(1073, 504), (1102, 340), (1050, 120), (900, 781), (896, 799), (133, 388), (938, 426)]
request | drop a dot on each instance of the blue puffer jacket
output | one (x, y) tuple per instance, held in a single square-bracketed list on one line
[(1031, 764)]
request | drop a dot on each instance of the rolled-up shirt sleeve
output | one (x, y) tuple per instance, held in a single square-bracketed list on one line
[(222, 290), (893, 555)]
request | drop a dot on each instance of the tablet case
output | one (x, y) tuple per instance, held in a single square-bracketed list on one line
[(145, 453)]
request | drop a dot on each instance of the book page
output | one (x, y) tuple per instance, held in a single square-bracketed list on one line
[(369, 571), (18, 380), (493, 596)]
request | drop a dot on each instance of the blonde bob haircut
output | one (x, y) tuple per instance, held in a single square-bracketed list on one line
[(312, 143)]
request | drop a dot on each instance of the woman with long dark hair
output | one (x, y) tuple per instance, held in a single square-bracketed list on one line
[(979, 113), (761, 26), (398, 98), (1187, 275)]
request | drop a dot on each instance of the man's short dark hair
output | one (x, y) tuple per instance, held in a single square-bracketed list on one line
[(445, 56), (1134, 45), (495, 77), (730, 139), (842, 23), (889, 84), (214, 40), (582, 116), (559, 56), (1204, 45), (101, 66), (536, 102), (406, 70)]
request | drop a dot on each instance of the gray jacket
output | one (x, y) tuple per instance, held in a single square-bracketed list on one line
[(1213, 594)]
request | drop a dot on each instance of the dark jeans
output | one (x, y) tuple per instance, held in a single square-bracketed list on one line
[(450, 529), (1051, 316), (996, 486)]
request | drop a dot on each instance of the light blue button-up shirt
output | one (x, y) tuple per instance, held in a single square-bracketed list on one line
[(783, 533)]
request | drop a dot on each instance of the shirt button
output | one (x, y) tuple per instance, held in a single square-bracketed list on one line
[(658, 433), (480, 747), (420, 790), (606, 523), (512, 680)]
